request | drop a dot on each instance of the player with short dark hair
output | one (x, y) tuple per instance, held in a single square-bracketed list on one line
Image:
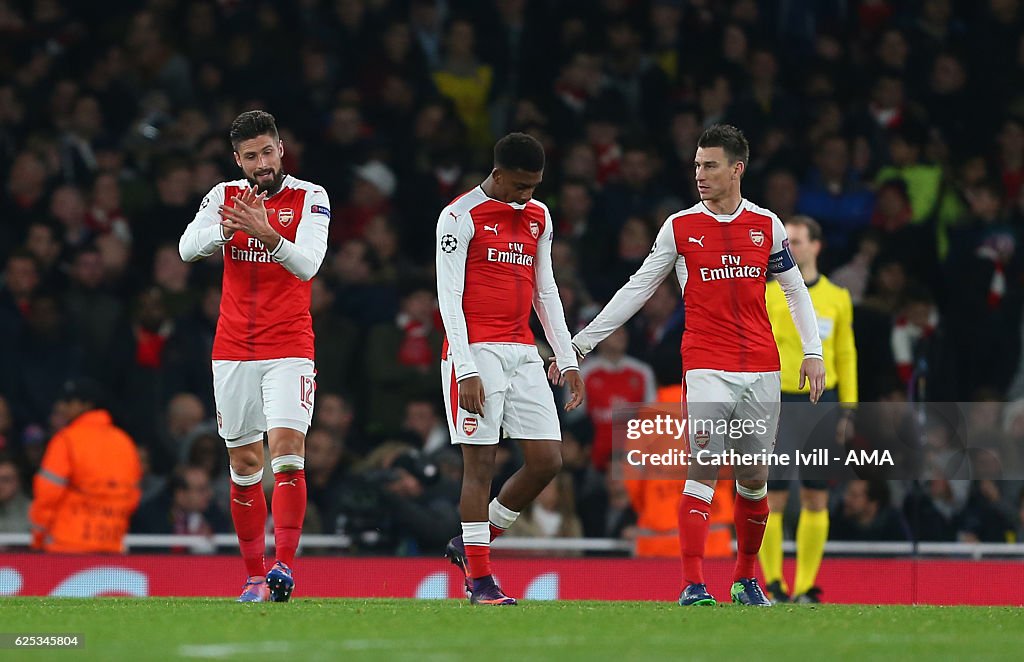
[(272, 230), (722, 250), (493, 268)]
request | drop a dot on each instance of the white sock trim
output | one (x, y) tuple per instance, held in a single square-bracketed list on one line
[(699, 490), (500, 516), (752, 495), (246, 481), (288, 463), (476, 533)]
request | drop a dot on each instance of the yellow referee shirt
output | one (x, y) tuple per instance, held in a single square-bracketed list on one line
[(834, 310)]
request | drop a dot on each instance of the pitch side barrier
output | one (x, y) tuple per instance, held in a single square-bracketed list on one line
[(903, 441), (191, 544)]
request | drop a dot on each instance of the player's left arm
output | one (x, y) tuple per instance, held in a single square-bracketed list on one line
[(549, 309), (304, 256), (782, 265)]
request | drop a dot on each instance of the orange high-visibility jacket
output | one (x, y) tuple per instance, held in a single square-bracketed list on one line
[(656, 503), (87, 487)]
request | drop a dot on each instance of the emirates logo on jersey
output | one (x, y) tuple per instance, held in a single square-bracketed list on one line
[(757, 236), (469, 426), (534, 229), (285, 216)]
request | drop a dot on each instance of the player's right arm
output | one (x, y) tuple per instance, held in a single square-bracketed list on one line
[(453, 236), (203, 237), (634, 294)]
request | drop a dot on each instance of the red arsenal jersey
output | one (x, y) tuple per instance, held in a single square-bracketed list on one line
[(493, 267), (264, 309), (722, 262)]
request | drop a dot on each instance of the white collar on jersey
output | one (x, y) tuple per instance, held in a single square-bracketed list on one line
[(724, 218), (513, 205)]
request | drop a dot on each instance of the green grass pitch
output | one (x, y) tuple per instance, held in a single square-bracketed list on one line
[(315, 629)]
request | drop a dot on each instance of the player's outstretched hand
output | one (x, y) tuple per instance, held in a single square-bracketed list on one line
[(554, 374), (813, 370), (576, 387), (471, 395)]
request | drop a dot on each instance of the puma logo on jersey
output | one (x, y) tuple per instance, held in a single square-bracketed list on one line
[(699, 242), (288, 482), (452, 214), (491, 228), (247, 504), (699, 512)]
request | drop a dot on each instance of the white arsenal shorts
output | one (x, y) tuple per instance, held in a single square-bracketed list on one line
[(517, 397), (738, 411), (255, 396)]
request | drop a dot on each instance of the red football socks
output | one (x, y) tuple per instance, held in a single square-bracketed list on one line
[(496, 531), (750, 518), (249, 514), (478, 557), (694, 515), (289, 508)]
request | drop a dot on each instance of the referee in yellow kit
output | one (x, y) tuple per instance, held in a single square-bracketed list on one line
[(834, 309)]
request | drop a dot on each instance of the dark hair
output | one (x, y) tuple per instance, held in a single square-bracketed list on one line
[(519, 151), (729, 138), (813, 227), (250, 124), (878, 492)]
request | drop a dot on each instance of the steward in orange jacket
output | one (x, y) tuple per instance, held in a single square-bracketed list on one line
[(88, 485)]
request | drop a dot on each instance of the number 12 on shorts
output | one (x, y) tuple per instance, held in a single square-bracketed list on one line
[(307, 386)]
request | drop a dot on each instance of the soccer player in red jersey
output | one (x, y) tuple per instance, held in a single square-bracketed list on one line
[(493, 268), (723, 249), (272, 230)]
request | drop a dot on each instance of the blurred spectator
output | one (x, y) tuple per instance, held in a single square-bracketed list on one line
[(620, 518), (372, 188), (986, 518), (401, 359), (865, 514), (613, 380), (183, 420), (466, 81), (45, 358), (327, 470), (854, 274), (13, 502), (424, 423), (333, 413), (43, 242), (933, 511), (171, 276), (336, 340), (551, 515), (88, 485), (832, 195), (188, 349), (185, 507), (92, 311)]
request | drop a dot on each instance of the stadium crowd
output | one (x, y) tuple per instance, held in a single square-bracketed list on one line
[(883, 120)]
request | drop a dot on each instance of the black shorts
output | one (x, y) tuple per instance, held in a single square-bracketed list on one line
[(797, 430)]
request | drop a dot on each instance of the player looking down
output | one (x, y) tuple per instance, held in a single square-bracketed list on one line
[(493, 268)]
